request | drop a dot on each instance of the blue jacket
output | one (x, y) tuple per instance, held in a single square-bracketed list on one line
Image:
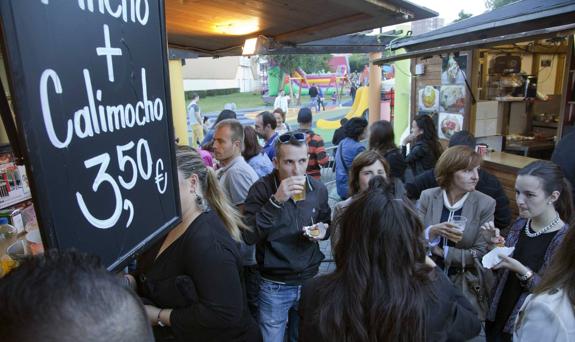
[(269, 147), (346, 152)]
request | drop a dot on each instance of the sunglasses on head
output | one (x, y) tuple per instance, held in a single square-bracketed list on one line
[(286, 137)]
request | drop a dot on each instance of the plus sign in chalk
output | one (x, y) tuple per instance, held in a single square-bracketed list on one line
[(109, 52)]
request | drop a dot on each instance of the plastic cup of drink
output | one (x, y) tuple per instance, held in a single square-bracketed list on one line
[(34, 242), (482, 149), (299, 196), (459, 222)]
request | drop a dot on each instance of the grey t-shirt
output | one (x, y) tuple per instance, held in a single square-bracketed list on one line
[(236, 180)]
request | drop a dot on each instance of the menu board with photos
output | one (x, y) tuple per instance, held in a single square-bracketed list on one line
[(452, 95), (90, 87)]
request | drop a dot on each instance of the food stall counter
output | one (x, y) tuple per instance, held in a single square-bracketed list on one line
[(502, 159)]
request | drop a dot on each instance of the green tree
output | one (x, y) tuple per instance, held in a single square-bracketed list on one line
[(462, 15), (309, 63), (357, 61), (493, 4)]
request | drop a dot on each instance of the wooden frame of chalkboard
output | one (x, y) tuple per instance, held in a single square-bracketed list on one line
[(91, 93)]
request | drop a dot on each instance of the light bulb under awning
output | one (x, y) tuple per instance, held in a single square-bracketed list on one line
[(238, 27)]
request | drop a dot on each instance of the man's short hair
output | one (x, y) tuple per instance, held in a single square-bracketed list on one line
[(292, 141), (236, 128), (304, 115), (68, 296), (268, 119), (462, 138), (195, 96)]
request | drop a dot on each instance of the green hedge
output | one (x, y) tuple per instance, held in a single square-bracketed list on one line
[(211, 92)]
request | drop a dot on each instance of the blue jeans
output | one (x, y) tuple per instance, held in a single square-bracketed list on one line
[(314, 103), (275, 302)]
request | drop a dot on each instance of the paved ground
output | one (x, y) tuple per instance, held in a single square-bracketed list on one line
[(328, 178)]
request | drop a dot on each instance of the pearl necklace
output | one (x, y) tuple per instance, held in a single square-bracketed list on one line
[(542, 231)]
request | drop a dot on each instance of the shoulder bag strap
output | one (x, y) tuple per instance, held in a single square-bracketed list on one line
[(341, 157)]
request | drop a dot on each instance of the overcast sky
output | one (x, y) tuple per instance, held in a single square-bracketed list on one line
[(448, 9)]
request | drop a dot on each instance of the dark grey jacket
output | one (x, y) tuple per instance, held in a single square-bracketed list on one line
[(488, 184)]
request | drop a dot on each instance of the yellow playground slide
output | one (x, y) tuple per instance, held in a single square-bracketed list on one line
[(359, 106)]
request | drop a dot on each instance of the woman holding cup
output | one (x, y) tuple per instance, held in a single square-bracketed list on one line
[(545, 204), (454, 212)]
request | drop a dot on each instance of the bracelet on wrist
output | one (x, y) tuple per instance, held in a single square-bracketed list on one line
[(525, 277), (158, 320)]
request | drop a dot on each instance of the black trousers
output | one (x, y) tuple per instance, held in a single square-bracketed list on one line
[(495, 335), (252, 286)]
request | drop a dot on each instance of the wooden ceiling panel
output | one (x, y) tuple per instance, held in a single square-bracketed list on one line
[(219, 27)]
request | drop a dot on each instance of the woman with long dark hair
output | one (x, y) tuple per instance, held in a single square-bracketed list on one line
[(425, 147), (191, 280), (382, 139), (384, 288), (549, 313), (545, 204), (253, 153)]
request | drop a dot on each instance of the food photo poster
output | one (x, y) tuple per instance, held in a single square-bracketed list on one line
[(452, 99), (448, 124), (453, 69), (428, 99)]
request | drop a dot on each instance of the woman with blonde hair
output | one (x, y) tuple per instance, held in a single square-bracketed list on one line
[(192, 278)]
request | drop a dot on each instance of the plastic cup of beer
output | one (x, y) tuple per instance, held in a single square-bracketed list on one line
[(299, 196), (459, 222)]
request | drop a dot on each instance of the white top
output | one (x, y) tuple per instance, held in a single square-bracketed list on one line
[(546, 317), (282, 102)]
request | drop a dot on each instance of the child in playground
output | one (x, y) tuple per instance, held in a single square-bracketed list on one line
[(282, 101), (320, 99)]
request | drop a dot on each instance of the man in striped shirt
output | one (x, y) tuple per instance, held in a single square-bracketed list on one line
[(316, 150)]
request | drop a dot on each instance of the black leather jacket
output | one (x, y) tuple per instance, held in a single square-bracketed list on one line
[(282, 252), (420, 158)]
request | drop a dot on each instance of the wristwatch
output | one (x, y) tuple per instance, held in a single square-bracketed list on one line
[(525, 277), (275, 202)]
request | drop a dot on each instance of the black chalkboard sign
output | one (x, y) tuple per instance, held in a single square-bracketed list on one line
[(90, 88)]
